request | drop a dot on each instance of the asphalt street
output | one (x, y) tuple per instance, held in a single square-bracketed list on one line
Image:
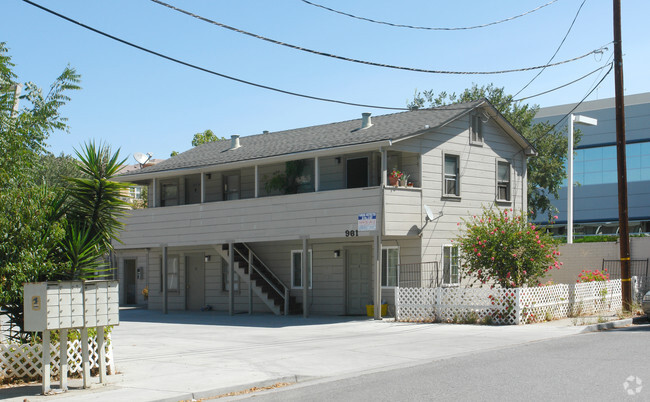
[(608, 365)]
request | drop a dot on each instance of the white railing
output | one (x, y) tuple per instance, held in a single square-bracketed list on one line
[(507, 306), (26, 361)]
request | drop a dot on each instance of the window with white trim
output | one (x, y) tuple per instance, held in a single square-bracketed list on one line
[(172, 274), (296, 269), (451, 180), (389, 264), (476, 130), (450, 265), (225, 283), (503, 181)]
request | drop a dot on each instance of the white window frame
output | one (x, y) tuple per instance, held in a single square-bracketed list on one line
[(135, 192), (384, 260), (498, 182), (476, 130), (444, 175), (310, 269), (173, 274), (448, 266), (224, 279)]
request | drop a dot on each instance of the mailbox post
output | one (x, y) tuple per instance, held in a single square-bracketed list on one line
[(71, 305)]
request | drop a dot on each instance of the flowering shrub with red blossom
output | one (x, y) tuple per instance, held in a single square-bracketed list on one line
[(593, 276), (503, 248)]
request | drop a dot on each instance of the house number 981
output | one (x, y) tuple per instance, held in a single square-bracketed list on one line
[(351, 233)]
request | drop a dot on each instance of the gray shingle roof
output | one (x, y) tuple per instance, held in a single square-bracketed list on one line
[(386, 127)]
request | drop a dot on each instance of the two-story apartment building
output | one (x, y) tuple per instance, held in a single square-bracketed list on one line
[(306, 219)]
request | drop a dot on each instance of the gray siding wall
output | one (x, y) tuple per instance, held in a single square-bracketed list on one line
[(319, 215), (477, 178)]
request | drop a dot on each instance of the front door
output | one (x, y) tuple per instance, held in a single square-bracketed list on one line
[(357, 172), (359, 274), (129, 281), (195, 281)]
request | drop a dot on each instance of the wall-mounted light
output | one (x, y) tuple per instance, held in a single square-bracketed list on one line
[(208, 175), (206, 258), (338, 160), (337, 253)]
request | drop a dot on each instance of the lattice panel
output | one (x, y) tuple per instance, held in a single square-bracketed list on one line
[(544, 303), (507, 306), (415, 304), (26, 361)]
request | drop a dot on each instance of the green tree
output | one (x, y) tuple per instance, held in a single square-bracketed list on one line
[(202, 138), (545, 171), (503, 248)]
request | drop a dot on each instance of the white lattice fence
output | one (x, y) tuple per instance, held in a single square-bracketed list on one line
[(415, 304), (544, 302), (507, 306), (25, 361), (461, 304)]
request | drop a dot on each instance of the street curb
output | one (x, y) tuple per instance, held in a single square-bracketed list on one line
[(234, 388), (607, 325)]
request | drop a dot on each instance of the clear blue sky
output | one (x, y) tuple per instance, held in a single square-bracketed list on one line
[(141, 103)]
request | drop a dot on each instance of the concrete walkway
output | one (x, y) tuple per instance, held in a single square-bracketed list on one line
[(186, 355)]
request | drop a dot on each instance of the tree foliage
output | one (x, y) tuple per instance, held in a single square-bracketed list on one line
[(545, 171), (57, 215), (499, 247), (202, 138)]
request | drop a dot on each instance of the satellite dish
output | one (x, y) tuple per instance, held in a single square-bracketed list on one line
[(142, 158), (429, 213)]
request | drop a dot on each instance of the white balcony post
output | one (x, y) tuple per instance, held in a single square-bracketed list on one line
[(384, 168), (202, 187), (316, 175), (257, 181), (154, 193)]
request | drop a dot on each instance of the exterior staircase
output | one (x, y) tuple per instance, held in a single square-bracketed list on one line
[(262, 281)]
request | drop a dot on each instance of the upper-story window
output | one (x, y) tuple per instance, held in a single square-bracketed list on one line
[(169, 194), (476, 130), (450, 265), (503, 181), (451, 181)]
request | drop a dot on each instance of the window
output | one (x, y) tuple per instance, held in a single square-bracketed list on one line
[(451, 185), (169, 195), (450, 274), (503, 181), (296, 269), (172, 273), (225, 283), (389, 264), (476, 130), (135, 193)]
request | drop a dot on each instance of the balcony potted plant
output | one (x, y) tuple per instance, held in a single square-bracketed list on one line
[(394, 177)]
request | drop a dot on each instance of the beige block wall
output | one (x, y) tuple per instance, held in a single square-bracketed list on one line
[(579, 256)]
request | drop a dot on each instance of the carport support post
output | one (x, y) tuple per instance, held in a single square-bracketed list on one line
[(231, 271), (164, 279), (305, 280), (377, 252)]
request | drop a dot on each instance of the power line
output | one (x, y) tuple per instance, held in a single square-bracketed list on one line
[(562, 86), (556, 50), (611, 66), (205, 69), (370, 63), (426, 28)]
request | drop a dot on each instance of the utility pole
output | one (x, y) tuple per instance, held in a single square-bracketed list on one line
[(624, 233)]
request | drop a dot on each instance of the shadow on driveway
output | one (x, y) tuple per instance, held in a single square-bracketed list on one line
[(259, 320)]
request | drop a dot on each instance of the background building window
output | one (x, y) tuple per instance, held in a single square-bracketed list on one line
[(451, 179), (503, 181), (296, 269), (389, 263), (450, 273)]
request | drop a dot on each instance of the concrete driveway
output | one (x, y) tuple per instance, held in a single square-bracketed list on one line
[(185, 355)]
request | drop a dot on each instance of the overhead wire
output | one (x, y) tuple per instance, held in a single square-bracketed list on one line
[(564, 85), (426, 28), (414, 69), (205, 69), (556, 50)]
